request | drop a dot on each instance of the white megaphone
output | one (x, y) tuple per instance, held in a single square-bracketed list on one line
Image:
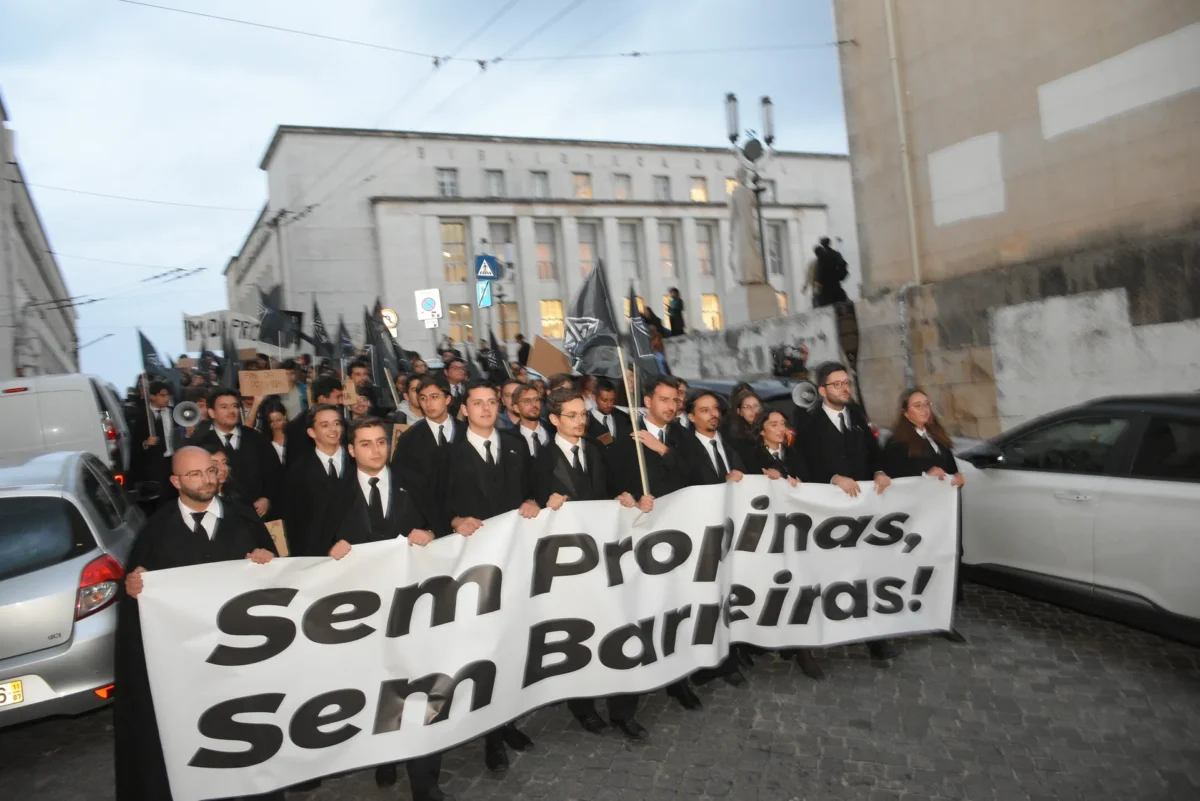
[(186, 414), (805, 395)]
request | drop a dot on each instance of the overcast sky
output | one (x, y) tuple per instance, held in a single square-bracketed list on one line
[(116, 98)]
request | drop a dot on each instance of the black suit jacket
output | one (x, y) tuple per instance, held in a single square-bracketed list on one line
[(553, 473), (899, 463), (254, 467), (523, 353), (473, 489), (456, 401), (150, 464), (347, 517), (665, 474), (299, 444), (621, 423), (421, 467), (308, 492), (758, 458), (696, 459), (827, 452)]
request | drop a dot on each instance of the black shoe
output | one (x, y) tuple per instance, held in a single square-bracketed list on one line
[(385, 775), (882, 650), (516, 739), (496, 758), (745, 657), (735, 678), (631, 729), (433, 794), (684, 695), (809, 665), (954, 635), (593, 723)]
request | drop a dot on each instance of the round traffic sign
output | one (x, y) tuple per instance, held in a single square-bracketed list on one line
[(429, 304)]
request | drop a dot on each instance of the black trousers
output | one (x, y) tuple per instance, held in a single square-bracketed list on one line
[(423, 774), (620, 707)]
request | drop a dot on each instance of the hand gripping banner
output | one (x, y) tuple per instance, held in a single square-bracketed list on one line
[(267, 675)]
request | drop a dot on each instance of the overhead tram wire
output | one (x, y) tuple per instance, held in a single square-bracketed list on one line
[(131, 199)]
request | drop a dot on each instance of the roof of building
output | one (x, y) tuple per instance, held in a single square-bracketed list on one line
[(516, 140)]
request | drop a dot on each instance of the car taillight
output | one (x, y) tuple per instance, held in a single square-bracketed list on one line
[(98, 586), (15, 390), (874, 429), (110, 430), (119, 478)]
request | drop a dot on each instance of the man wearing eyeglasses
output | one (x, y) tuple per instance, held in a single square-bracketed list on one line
[(199, 528), (529, 405), (839, 448)]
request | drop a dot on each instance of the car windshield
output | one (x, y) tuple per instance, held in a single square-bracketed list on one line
[(38, 532)]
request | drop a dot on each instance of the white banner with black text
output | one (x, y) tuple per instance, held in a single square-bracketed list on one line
[(267, 675)]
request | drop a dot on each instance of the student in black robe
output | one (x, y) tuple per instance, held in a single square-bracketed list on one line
[(313, 479), (606, 423), (257, 472), (197, 529), (326, 390), (488, 474), (421, 451), (572, 468), (371, 506)]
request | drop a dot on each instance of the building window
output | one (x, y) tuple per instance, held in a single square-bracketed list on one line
[(454, 252), (662, 188), (781, 302), (461, 329), (768, 195), (509, 320), (666, 249), (552, 319), (631, 260), (495, 183), (775, 250), (547, 247), (541, 184), (699, 190), (622, 186), (500, 243), (583, 185), (730, 185), (706, 251), (589, 246), (641, 304), (710, 312), (447, 182)]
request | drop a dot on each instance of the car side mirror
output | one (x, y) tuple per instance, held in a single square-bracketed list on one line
[(984, 456)]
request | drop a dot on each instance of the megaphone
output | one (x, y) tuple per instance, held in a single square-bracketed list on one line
[(186, 414), (805, 395)]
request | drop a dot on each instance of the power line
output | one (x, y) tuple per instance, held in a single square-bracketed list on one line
[(700, 51), (131, 199), (109, 261)]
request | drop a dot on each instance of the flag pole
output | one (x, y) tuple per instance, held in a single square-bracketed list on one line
[(392, 386), (631, 394), (146, 398)]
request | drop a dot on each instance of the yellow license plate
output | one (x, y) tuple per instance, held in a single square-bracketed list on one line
[(11, 693)]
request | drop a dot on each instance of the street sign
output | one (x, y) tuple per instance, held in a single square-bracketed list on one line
[(483, 294), (431, 322), (486, 268), (390, 318), (429, 304)]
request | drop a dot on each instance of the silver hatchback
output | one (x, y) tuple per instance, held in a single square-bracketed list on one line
[(66, 530)]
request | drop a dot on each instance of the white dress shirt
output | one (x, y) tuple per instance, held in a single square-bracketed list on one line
[(278, 449), (338, 460), (539, 433), (658, 433), (706, 443), (446, 426), (212, 514), (168, 424), (566, 447), (776, 454), (683, 420), (235, 439), (477, 443), (923, 434), (605, 420), (833, 416), (385, 487)]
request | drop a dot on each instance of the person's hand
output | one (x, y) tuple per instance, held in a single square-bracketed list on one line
[(556, 501), (650, 441), (339, 549), (847, 485), (646, 503), (882, 482), (420, 537), (150, 442), (772, 473), (528, 510), (795, 482), (958, 480), (260, 556), (466, 526), (626, 500), (936, 472), (261, 506), (133, 582), (734, 475)]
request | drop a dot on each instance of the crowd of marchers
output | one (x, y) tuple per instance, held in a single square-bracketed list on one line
[(455, 449)]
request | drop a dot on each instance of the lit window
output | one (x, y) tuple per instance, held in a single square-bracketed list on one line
[(641, 304), (583, 185), (705, 248), (454, 252), (631, 261), (662, 188), (509, 321), (781, 302), (666, 249), (622, 186), (699, 190), (546, 249), (541, 184), (776, 236), (730, 185), (461, 329), (495, 183), (447, 182), (710, 312), (500, 243), (552, 319), (589, 246)]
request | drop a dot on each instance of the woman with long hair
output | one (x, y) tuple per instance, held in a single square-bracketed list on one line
[(771, 455), (272, 423), (742, 424), (921, 447)]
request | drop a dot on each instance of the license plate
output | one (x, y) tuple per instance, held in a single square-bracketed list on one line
[(11, 693)]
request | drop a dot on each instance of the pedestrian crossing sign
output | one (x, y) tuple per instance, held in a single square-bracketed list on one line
[(486, 268)]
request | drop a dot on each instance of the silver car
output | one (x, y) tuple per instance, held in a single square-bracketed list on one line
[(66, 529)]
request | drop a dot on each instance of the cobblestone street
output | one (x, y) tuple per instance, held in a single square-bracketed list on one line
[(1041, 703)]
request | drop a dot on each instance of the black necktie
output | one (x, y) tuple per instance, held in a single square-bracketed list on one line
[(575, 463), (225, 440), (534, 442), (375, 504), (842, 422), (607, 425), (441, 435), (199, 528), (722, 470), (778, 457), (332, 469), (662, 436), (488, 458)]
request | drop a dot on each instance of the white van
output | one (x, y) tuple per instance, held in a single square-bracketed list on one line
[(71, 412)]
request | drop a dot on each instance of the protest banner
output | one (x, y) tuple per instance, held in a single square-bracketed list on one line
[(266, 675), (257, 383), (206, 330)]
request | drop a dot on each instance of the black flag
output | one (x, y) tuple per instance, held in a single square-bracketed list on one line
[(591, 335), (384, 367), (639, 335), (322, 345), (497, 358), (345, 343), (473, 371), (276, 327), (155, 366), (232, 364)]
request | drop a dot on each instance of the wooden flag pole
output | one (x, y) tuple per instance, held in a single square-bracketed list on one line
[(631, 394), (392, 386), (146, 398)]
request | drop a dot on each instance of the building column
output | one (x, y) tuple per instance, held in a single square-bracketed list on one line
[(570, 274), (527, 285), (653, 286), (798, 264), (610, 233), (688, 269)]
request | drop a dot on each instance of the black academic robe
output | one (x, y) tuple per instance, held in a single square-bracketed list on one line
[(899, 463), (308, 491), (758, 459), (665, 474), (165, 541), (697, 462), (476, 489), (254, 468), (421, 467), (621, 422), (523, 353), (458, 394), (828, 452), (299, 443)]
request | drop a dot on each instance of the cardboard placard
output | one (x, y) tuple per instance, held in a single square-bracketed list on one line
[(258, 383), (247, 353), (547, 359), (349, 393), (185, 363), (397, 430), (275, 529)]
